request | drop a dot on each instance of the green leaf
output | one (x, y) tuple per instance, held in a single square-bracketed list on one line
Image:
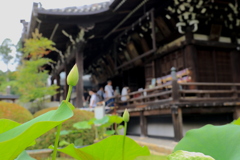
[(65, 132), (115, 119), (101, 121), (112, 119), (185, 155), (75, 153), (63, 143), (109, 132), (24, 156), (15, 140), (236, 122), (7, 124), (82, 125), (152, 157), (219, 142), (108, 149), (78, 142), (91, 121), (120, 127)]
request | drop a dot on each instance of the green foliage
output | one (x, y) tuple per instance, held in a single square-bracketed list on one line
[(184, 155), (86, 135), (219, 142), (38, 46), (14, 112), (24, 156), (5, 50), (152, 157), (109, 148), (31, 81), (15, 140)]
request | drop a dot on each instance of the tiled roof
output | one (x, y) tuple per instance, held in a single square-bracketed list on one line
[(79, 10), (8, 97)]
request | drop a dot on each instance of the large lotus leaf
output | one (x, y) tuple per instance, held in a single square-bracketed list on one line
[(75, 152), (237, 121), (7, 124), (15, 140), (24, 156), (219, 142), (109, 149)]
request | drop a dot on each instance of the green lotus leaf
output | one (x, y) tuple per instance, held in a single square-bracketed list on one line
[(15, 140), (109, 132), (219, 142), (7, 124), (75, 152), (82, 125), (24, 156), (185, 155), (100, 122), (236, 122), (108, 149), (115, 119), (152, 157)]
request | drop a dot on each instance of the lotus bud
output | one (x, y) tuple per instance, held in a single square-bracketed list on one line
[(126, 116), (73, 76)]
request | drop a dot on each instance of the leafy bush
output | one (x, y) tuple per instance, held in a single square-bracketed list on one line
[(14, 112), (86, 137)]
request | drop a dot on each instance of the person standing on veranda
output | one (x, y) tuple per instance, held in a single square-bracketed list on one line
[(94, 99), (109, 92)]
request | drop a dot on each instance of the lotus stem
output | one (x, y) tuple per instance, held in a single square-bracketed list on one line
[(54, 155), (69, 93), (125, 133)]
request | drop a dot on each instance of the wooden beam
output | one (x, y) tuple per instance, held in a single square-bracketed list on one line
[(177, 123), (162, 26), (208, 110), (134, 114), (157, 112), (143, 124)]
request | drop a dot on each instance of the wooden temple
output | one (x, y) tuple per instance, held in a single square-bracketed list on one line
[(178, 57)]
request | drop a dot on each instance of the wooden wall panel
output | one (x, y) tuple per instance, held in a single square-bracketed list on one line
[(214, 66)]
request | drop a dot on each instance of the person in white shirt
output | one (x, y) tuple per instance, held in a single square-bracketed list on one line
[(94, 99), (109, 92), (124, 94)]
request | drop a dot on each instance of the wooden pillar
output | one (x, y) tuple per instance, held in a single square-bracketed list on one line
[(79, 62), (52, 82), (175, 86), (143, 124), (236, 113), (190, 55), (59, 89), (235, 65), (177, 123)]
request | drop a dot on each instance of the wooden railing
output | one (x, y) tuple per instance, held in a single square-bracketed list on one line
[(177, 93)]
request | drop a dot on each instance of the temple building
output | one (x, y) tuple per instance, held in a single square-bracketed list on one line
[(180, 58)]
